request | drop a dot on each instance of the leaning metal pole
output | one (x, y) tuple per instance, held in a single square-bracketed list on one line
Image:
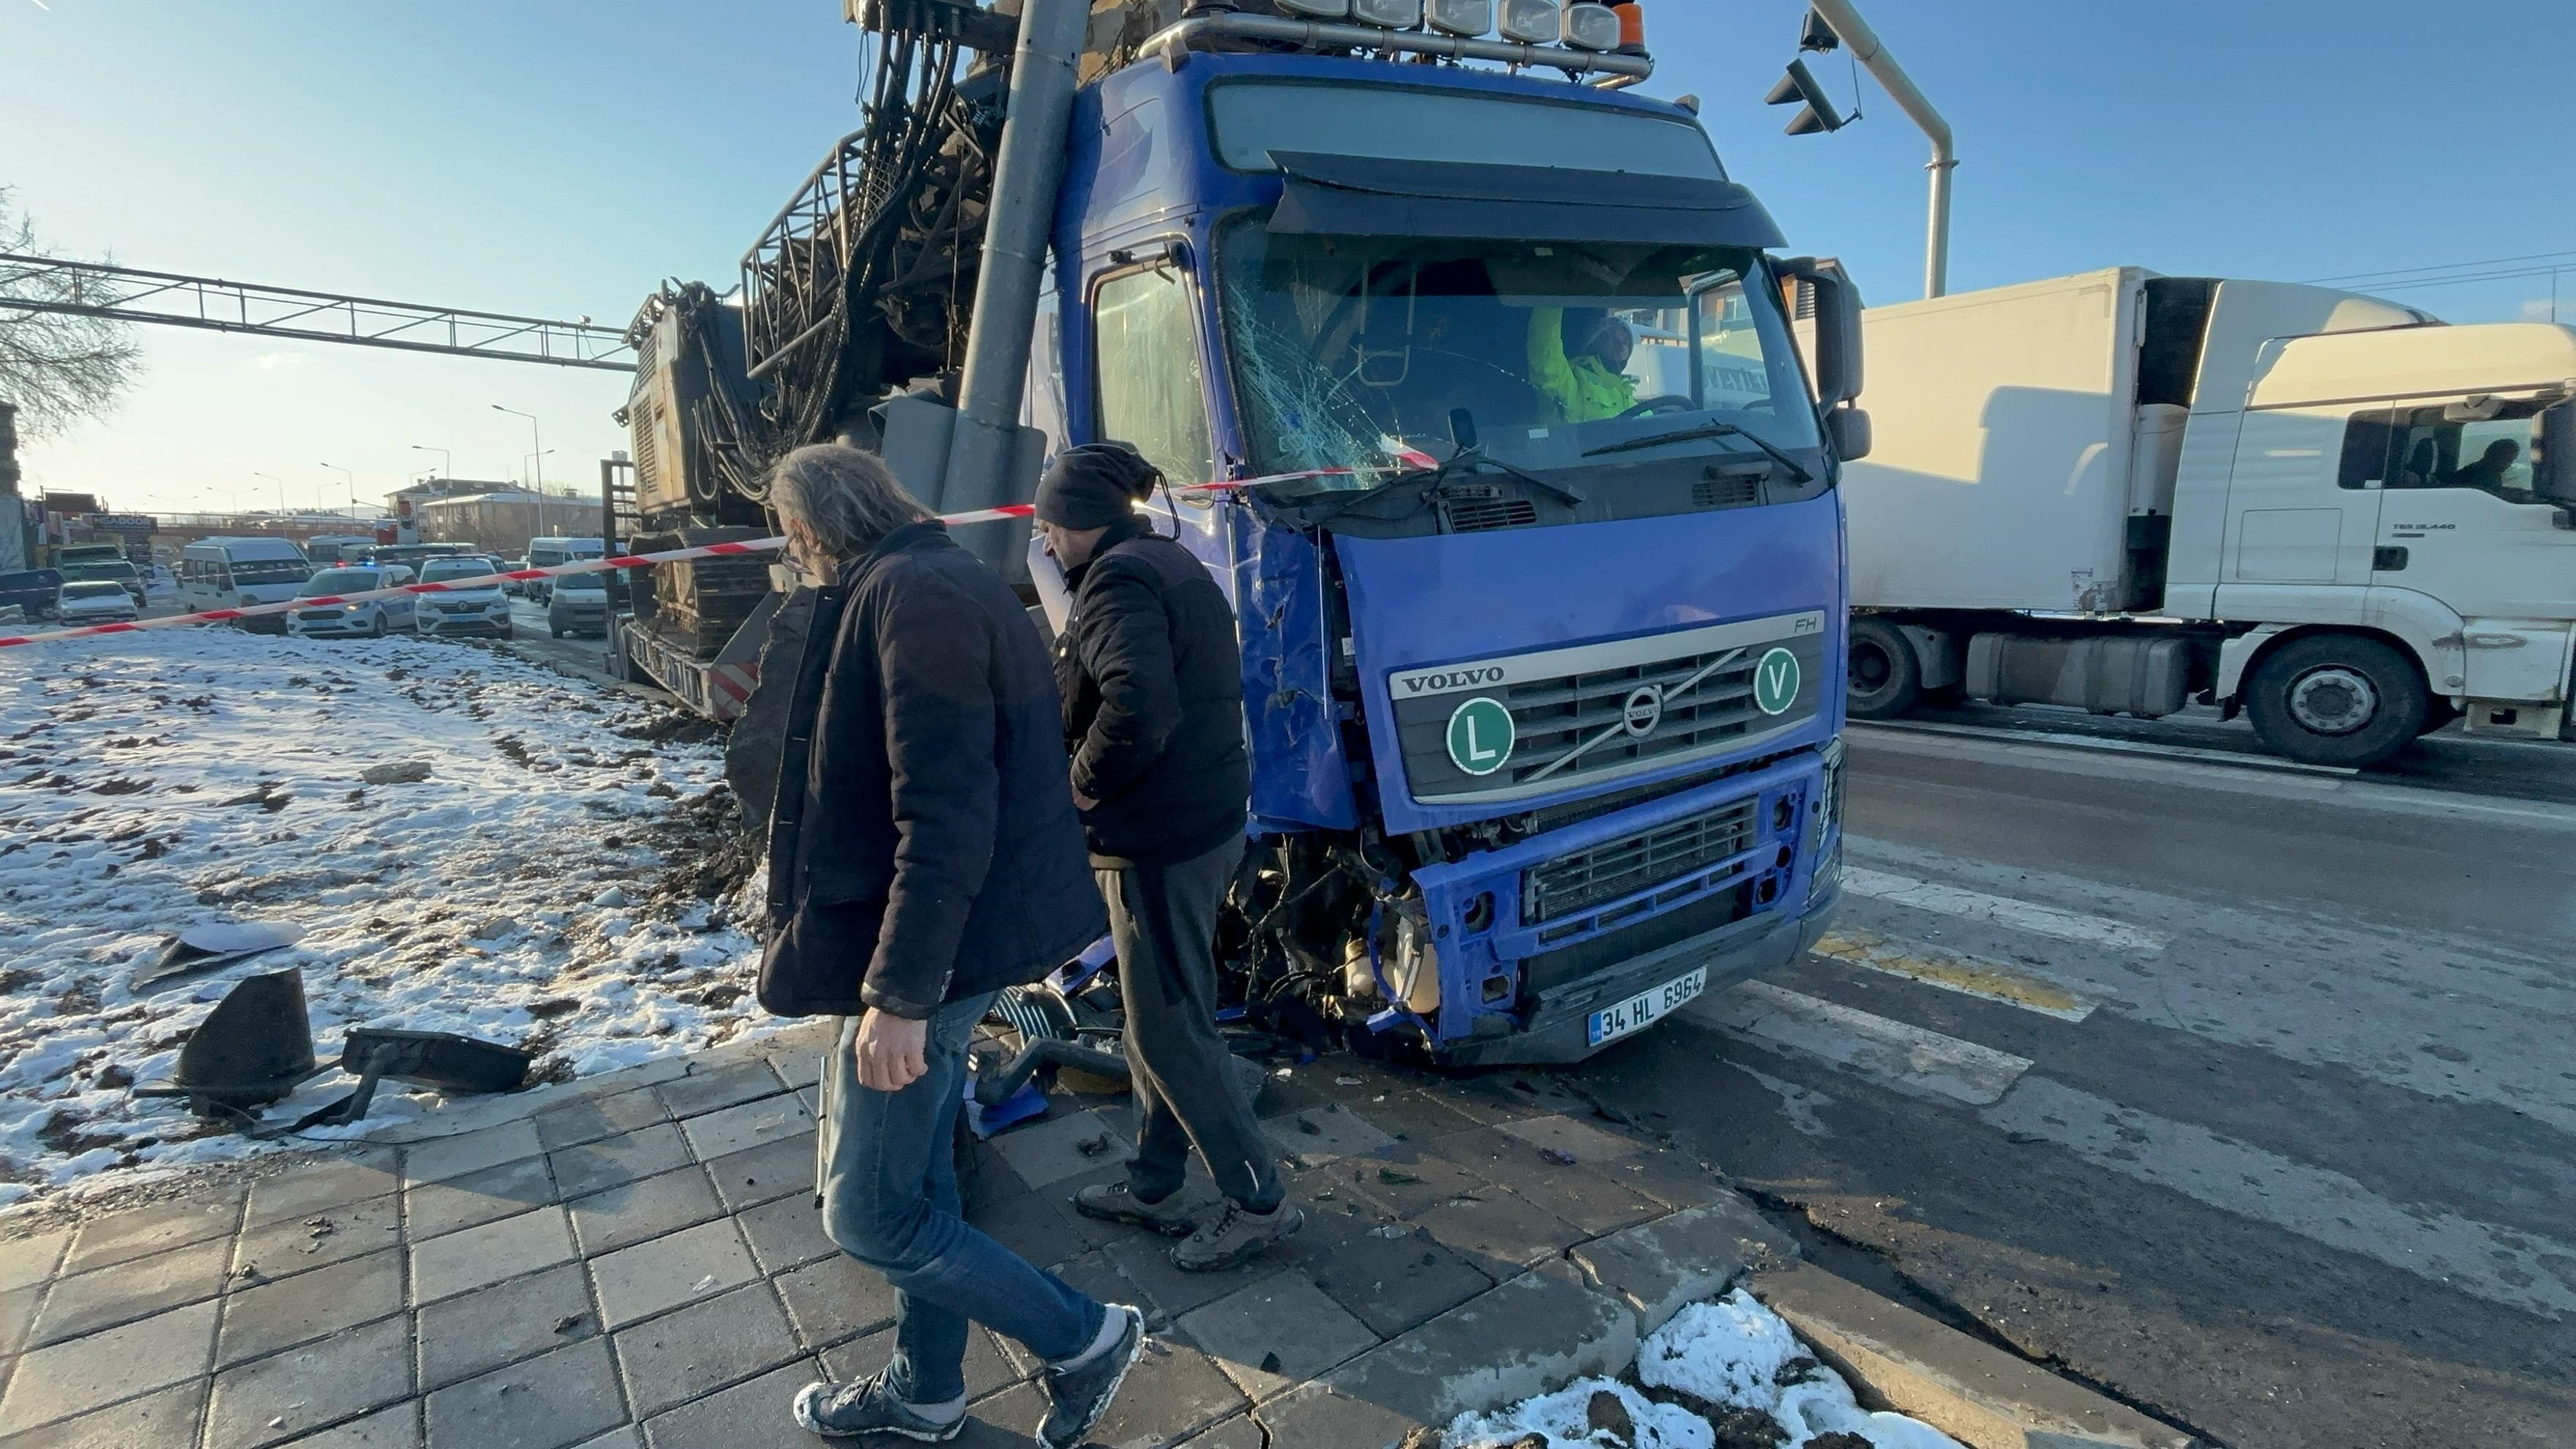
[(1025, 179), (1872, 54)]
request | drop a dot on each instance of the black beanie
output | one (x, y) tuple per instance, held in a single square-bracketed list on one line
[(1094, 485)]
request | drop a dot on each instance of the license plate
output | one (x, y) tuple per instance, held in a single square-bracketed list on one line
[(1645, 1008)]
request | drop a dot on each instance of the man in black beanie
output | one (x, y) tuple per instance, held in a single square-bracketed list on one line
[(1152, 680)]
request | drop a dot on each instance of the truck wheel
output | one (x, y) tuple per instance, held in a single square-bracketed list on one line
[(2337, 699), (1884, 679), (2439, 715)]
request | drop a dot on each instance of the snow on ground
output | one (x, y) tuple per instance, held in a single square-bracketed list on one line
[(1721, 1360), (150, 782)]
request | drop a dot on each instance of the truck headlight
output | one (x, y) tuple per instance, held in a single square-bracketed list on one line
[(1462, 17), (1533, 22), (1592, 27), (1393, 14)]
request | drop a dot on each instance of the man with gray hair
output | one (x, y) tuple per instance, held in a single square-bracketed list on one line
[(923, 854)]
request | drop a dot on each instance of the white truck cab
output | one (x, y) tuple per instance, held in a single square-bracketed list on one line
[(2120, 491)]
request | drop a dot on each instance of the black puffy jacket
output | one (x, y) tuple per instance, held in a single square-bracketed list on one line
[(1152, 679), (933, 853)]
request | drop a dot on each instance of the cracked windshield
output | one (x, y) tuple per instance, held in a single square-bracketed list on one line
[(1386, 356)]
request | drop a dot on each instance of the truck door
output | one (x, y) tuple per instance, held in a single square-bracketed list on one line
[(1150, 386), (2469, 515), (2288, 522)]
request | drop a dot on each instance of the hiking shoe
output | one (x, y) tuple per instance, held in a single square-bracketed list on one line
[(1235, 1237), (1078, 1396), (1116, 1202), (845, 1411)]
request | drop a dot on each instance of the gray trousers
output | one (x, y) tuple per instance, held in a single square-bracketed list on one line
[(1163, 919)]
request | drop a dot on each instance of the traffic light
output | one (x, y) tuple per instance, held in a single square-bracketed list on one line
[(1816, 113)]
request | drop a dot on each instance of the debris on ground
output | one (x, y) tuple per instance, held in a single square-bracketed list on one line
[(1726, 1374), (460, 901)]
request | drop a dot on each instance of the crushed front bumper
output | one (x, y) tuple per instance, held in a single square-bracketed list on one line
[(1737, 877)]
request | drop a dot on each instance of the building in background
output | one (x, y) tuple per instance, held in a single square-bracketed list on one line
[(503, 520), (17, 524)]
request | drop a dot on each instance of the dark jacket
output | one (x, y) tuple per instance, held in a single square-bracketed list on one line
[(1152, 679), (933, 852)]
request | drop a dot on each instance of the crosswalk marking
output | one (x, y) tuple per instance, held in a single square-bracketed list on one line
[(1953, 971), (2499, 1265), (1903, 1057), (1968, 905)]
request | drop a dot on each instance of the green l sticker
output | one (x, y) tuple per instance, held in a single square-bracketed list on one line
[(1775, 682), (1481, 735)]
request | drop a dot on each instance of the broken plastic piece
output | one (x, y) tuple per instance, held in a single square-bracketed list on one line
[(200, 949), (252, 1049)]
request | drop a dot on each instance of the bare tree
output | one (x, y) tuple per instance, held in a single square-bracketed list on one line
[(57, 367)]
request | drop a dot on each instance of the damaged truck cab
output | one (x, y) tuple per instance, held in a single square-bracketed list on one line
[(1481, 390), (1542, 694)]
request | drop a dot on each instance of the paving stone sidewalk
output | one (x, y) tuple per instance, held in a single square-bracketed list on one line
[(640, 1263)]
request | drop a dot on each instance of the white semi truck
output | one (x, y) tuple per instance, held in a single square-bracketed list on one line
[(2125, 492)]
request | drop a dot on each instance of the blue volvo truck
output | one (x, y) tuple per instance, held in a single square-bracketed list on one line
[(1543, 643)]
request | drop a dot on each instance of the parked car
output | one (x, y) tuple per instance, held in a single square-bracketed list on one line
[(106, 571), (548, 552), (373, 618), (159, 582), (484, 610), (579, 605), (95, 601), (35, 591), (519, 587)]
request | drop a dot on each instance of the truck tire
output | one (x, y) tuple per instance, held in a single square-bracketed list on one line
[(2337, 699), (1884, 679)]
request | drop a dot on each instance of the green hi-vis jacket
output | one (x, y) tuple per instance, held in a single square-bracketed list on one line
[(1582, 389)]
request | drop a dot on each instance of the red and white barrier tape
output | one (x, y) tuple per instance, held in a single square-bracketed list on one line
[(556, 571)]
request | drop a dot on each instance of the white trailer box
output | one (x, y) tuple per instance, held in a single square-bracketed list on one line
[(1999, 473)]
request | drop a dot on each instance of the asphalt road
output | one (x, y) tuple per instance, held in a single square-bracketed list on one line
[(2246, 1093)]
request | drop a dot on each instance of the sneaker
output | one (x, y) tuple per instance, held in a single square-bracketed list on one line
[(1235, 1237), (1078, 1396), (845, 1411), (1116, 1202)]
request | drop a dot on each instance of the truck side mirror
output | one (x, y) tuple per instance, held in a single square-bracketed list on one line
[(2555, 477), (1826, 298), (1849, 427)]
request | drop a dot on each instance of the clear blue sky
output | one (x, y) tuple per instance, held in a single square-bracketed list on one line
[(560, 158)]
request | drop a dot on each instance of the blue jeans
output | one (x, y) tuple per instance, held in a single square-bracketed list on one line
[(890, 1200)]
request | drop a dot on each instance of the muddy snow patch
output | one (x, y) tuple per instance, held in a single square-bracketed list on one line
[(468, 842), (1726, 1374)]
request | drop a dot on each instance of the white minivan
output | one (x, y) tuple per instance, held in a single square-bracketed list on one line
[(235, 573), (547, 552)]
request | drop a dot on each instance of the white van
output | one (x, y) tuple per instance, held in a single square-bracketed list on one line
[(233, 573), (547, 552)]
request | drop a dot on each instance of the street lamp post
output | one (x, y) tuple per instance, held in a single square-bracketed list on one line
[(281, 494), (353, 485), (446, 460), (538, 443)]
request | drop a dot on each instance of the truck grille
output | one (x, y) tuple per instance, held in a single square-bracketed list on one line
[(1574, 884), (1594, 713)]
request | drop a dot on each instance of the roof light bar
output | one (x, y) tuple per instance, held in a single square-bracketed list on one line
[(1462, 17), (1533, 22), (1318, 9)]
